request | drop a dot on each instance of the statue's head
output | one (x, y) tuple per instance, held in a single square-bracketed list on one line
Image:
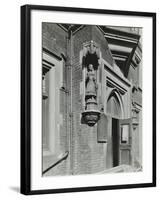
[(90, 67)]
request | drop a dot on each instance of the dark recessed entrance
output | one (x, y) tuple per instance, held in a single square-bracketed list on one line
[(114, 110), (119, 144), (115, 141)]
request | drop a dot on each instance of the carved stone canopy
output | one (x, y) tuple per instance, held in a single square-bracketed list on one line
[(91, 55), (91, 59)]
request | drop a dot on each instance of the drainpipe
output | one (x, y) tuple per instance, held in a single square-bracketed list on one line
[(70, 111)]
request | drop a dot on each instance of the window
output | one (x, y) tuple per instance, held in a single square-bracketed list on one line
[(52, 80), (125, 134)]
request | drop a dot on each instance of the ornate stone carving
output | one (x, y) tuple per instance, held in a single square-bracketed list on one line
[(91, 55), (137, 57), (91, 86), (90, 63)]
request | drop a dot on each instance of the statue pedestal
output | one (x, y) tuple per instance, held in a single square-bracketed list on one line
[(91, 117)]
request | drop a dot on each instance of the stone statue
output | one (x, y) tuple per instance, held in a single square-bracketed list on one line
[(91, 86)]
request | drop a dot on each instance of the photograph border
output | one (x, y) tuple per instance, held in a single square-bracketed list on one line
[(25, 182)]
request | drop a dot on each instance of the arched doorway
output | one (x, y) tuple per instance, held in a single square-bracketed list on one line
[(114, 105), (114, 113), (119, 143)]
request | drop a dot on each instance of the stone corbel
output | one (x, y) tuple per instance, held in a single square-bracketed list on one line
[(137, 57)]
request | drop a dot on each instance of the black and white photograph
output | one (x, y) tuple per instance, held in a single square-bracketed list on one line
[(91, 99), (80, 100), (88, 100)]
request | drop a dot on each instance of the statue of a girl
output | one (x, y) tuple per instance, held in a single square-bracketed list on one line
[(91, 86)]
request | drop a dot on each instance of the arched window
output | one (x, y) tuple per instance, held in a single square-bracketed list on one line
[(113, 106)]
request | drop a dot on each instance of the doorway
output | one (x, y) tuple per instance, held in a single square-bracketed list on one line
[(119, 133), (121, 141), (115, 112), (115, 142)]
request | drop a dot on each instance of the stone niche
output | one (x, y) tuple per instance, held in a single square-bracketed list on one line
[(91, 64)]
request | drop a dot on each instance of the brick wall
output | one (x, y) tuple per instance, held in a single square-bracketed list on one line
[(55, 40), (88, 154), (99, 38)]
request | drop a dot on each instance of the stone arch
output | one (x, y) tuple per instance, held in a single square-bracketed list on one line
[(115, 104)]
